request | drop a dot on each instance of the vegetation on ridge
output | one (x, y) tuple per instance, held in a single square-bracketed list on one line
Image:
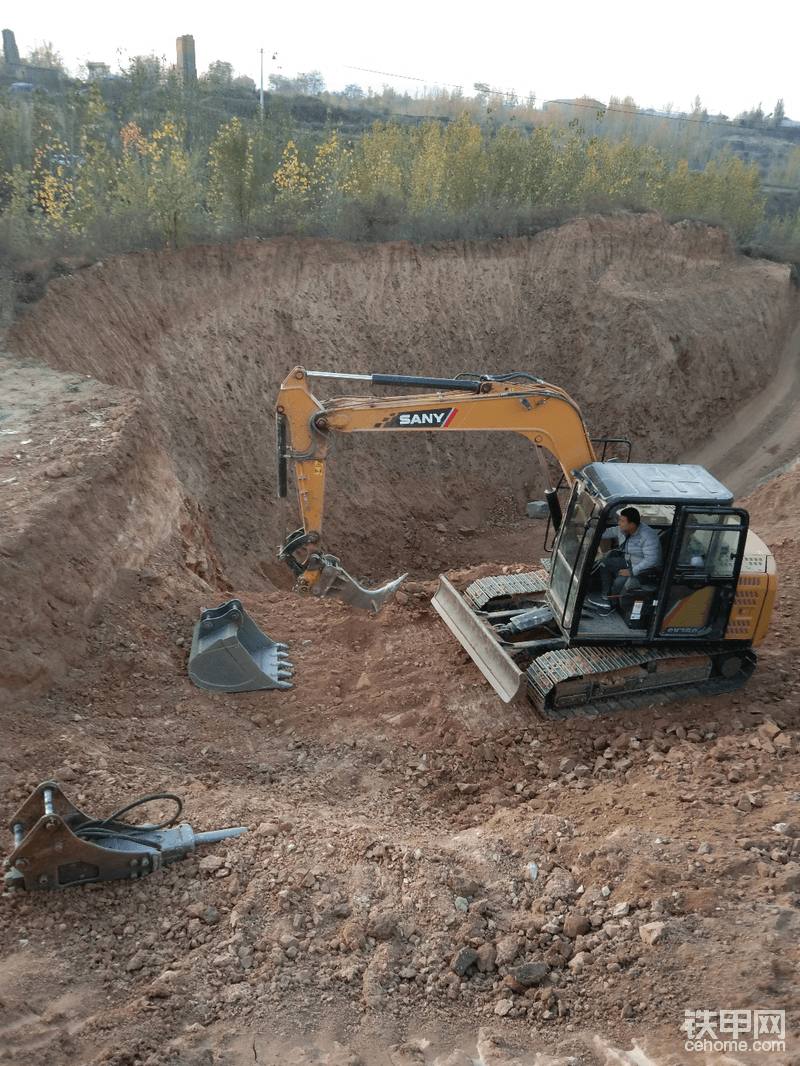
[(146, 160)]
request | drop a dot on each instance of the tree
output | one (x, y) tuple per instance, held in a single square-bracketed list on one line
[(482, 91), (699, 113), (779, 113), (312, 84), (45, 55), (172, 191), (292, 179), (232, 187), (219, 74)]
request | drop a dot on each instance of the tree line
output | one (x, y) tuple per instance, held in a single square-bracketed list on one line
[(143, 160)]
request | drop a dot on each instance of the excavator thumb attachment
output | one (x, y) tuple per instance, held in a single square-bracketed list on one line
[(334, 583), (490, 657), (231, 654)]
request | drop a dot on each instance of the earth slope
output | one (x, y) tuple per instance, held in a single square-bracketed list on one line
[(394, 807)]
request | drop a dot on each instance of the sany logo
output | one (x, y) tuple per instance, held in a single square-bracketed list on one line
[(435, 418)]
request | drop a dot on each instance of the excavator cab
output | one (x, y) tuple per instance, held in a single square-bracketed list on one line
[(702, 537), (685, 631)]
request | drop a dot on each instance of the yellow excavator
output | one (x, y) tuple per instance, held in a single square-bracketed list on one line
[(688, 630)]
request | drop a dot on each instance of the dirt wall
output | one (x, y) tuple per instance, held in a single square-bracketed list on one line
[(656, 330)]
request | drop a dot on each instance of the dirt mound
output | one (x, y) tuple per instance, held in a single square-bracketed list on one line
[(429, 876)]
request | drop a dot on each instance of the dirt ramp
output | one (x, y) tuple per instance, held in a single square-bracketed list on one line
[(655, 329)]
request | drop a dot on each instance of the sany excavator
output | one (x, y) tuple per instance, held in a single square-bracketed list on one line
[(690, 631)]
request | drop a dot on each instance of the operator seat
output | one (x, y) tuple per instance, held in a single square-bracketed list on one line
[(639, 594)]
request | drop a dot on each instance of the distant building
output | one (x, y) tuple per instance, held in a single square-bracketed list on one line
[(186, 61), (18, 73), (98, 71)]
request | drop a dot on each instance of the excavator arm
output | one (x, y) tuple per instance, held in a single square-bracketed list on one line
[(307, 428)]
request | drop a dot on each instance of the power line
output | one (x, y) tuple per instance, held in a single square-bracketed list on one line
[(598, 107), (635, 112)]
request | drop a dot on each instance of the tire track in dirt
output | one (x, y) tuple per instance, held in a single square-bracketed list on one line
[(763, 438)]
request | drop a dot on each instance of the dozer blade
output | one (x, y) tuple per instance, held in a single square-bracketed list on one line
[(231, 654), (494, 662), (336, 584)]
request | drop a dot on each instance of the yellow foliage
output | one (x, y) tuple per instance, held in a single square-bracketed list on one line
[(293, 177)]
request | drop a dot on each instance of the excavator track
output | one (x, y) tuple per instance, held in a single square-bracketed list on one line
[(574, 682), (504, 586)]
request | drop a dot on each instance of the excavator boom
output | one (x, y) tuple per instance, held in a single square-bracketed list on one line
[(516, 403)]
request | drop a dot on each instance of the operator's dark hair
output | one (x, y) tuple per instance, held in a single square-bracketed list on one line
[(632, 514)]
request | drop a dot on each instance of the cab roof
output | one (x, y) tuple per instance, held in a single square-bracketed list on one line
[(654, 483)]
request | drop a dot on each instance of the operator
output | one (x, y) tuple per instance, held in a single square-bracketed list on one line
[(637, 558)]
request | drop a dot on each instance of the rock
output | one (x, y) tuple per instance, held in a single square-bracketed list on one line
[(744, 805), (531, 871), (576, 925), (622, 910), (507, 950), (529, 973), (382, 926), (487, 958), (61, 468), (651, 932), (455, 1058), (411, 1054), (463, 883), (211, 863), (560, 884), (578, 961), (462, 961), (503, 1006), (164, 985), (788, 878), (136, 962), (210, 916)]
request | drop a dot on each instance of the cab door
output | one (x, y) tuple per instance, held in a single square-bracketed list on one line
[(704, 571), (573, 552)]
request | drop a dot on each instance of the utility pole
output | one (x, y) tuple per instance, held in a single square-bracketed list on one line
[(262, 82)]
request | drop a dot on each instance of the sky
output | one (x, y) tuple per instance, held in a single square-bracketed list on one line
[(732, 54)]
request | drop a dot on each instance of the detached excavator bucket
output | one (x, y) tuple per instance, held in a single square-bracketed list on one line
[(231, 654), (489, 656)]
